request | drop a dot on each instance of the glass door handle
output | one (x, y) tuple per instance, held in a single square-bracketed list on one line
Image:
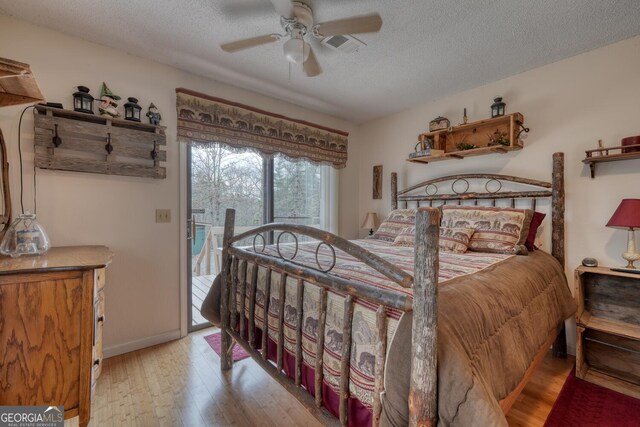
[(193, 227)]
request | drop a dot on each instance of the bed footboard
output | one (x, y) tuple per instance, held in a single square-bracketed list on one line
[(423, 386)]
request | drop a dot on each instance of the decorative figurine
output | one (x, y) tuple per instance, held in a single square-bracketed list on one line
[(497, 108), (108, 105), (154, 115)]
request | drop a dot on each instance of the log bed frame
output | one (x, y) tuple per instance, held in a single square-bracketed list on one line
[(422, 399)]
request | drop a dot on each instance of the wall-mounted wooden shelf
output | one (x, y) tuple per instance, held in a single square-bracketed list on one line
[(17, 84), (444, 142), (600, 155), (98, 144)]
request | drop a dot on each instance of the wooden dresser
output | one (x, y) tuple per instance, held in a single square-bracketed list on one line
[(608, 324), (51, 317)]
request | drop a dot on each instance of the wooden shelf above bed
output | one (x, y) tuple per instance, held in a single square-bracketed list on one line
[(444, 142), (600, 155)]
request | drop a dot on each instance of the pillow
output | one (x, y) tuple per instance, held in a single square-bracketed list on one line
[(406, 237), (455, 240), (498, 230), (533, 230), (394, 223)]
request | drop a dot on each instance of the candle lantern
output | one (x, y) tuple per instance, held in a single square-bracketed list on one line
[(83, 101), (132, 110), (497, 108)]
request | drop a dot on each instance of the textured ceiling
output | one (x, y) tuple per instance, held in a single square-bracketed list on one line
[(426, 49)]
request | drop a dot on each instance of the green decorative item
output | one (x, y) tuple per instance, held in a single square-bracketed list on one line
[(464, 146), (498, 138), (108, 105)]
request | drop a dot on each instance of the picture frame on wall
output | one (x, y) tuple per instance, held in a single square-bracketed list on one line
[(377, 182)]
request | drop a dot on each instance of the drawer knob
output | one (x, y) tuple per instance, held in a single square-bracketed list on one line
[(96, 362), (100, 319)]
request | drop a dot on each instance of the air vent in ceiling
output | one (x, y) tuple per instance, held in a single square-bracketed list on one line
[(342, 43)]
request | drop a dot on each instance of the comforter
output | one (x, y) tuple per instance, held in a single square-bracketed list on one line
[(495, 312)]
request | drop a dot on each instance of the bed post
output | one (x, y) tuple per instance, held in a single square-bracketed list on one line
[(225, 358), (557, 234), (394, 190), (423, 399)]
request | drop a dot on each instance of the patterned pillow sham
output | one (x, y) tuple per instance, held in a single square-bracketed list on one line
[(498, 230), (394, 223), (455, 240), (406, 237)]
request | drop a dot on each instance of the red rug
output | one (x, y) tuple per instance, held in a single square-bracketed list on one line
[(583, 404), (214, 341)]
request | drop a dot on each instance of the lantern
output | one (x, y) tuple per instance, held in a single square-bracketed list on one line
[(497, 108), (132, 110), (83, 101)]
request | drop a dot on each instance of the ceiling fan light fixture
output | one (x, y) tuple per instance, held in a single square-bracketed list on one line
[(296, 50)]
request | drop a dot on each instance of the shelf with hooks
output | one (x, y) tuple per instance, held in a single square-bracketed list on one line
[(80, 142)]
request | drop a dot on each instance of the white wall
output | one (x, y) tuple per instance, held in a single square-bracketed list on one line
[(143, 291), (568, 105)]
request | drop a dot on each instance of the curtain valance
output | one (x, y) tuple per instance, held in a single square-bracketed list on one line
[(204, 119)]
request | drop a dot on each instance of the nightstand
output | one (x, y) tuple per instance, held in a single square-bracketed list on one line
[(608, 325)]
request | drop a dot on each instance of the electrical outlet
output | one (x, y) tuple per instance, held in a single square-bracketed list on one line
[(163, 215)]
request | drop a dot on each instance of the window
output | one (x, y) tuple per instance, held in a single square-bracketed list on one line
[(302, 193), (260, 189)]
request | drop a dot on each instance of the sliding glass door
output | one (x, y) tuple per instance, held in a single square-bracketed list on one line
[(260, 189), (220, 178)]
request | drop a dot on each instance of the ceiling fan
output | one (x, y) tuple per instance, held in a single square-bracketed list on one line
[(297, 21)]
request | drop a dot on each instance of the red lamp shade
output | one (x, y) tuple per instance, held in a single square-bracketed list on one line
[(627, 215)]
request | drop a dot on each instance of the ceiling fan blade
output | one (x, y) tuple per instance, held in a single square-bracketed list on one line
[(283, 7), (311, 67), (355, 25), (247, 43)]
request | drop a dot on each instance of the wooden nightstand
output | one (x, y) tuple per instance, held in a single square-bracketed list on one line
[(608, 324)]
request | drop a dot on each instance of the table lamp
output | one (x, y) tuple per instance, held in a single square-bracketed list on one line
[(371, 222), (628, 216)]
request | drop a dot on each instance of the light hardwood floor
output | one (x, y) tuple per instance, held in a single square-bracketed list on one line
[(180, 384)]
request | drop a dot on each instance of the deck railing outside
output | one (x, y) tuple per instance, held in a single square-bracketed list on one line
[(208, 261)]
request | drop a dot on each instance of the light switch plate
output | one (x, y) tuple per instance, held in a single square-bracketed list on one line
[(163, 215)]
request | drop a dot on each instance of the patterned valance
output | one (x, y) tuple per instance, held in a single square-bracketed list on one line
[(204, 119)]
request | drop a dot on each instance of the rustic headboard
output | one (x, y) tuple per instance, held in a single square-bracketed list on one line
[(493, 183)]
